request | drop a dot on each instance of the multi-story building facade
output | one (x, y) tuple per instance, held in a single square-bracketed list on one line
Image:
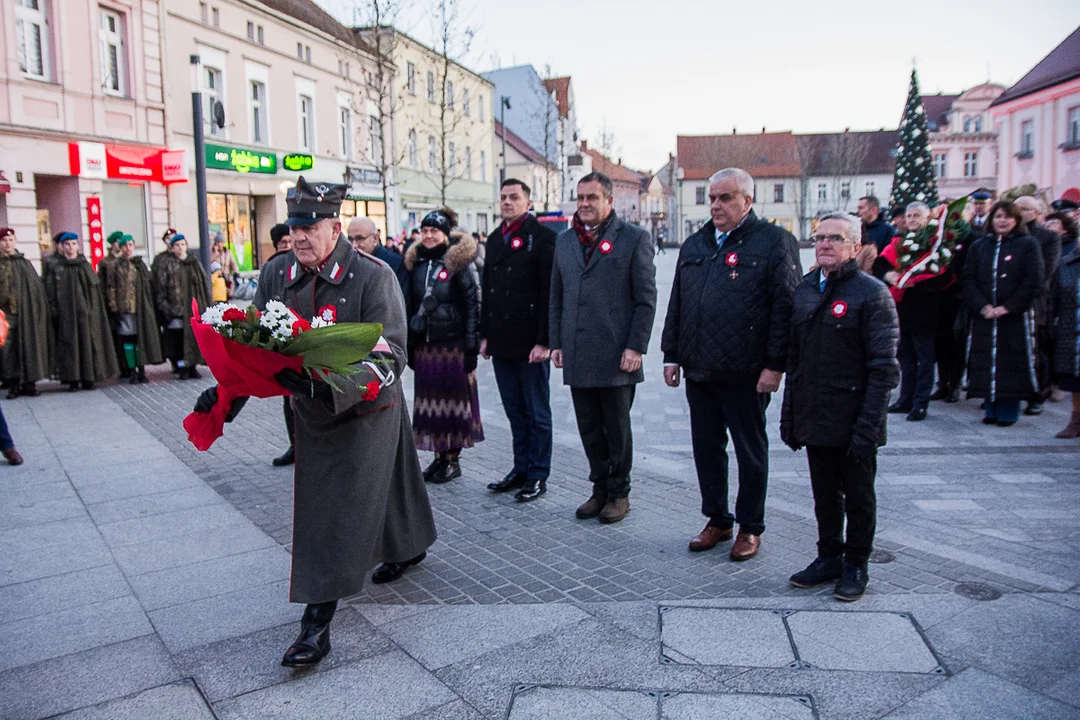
[(83, 140), (963, 141), (533, 114), (1038, 124), (527, 164), (562, 91), (443, 135), (627, 183), (288, 82), (658, 203)]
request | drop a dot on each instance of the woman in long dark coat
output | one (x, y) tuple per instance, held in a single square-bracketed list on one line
[(179, 279), (444, 341), (1002, 277), (1066, 310), (83, 343)]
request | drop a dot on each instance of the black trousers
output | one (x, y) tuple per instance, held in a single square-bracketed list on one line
[(843, 485), (290, 420), (603, 419), (948, 348), (916, 355), (1044, 353), (714, 411)]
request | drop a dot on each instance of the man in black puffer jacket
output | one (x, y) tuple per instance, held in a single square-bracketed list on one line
[(841, 368), (727, 328)]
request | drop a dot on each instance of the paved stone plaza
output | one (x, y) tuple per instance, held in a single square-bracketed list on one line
[(142, 579)]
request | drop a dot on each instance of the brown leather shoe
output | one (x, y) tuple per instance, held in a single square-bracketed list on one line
[(709, 538), (591, 507), (615, 510), (13, 457), (746, 546)]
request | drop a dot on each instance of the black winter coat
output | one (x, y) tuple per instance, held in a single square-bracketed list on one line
[(842, 362), (1050, 247), (454, 284), (516, 284), (1067, 311), (880, 233), (730, 310), (1005, 272)]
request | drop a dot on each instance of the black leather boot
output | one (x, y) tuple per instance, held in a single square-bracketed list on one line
[(313, 642), (436, 466), (391, 571), (450, 470), (141, 375), (286, 458)]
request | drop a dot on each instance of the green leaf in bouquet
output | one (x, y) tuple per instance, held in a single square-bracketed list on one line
[(335, 347)]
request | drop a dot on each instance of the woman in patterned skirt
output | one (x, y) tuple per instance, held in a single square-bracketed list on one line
[(444, 316)]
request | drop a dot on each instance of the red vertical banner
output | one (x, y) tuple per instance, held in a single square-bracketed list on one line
[(93, 222)]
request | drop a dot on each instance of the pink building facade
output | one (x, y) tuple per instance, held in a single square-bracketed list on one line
[(82, 122)]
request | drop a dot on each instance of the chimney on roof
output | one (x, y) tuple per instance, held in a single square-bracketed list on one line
[(733, 130), (584, 144), (762, 129)]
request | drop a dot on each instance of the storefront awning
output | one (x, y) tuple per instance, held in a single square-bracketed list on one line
[(360, 196), (127, 162)]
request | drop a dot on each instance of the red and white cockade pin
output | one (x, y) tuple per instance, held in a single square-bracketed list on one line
[(1008, 258), (443, 275), (328, 313), (516, 244), (839, 309), (605, 246), (732, 259)]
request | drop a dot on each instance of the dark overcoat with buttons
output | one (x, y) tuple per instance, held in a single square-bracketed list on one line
[(360, 498), (842, 362), (516, 290), (600, 309)]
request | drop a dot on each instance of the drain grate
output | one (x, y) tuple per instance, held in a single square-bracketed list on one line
[(977, 591), (880, 557)]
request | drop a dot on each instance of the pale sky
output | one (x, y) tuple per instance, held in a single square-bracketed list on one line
[(655, 69)]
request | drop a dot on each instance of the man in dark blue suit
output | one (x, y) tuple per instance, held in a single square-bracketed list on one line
[(364, 236)]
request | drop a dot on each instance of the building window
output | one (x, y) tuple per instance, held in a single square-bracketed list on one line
[(433, 161), (480, 108), (410, 70), (307, 53), (345, 132), (217, 17), (468, 162), (1027, 138), (1072, 128), (412, 148), (32, 36), (778, 192), (376, 140), (869, 188), (482, 223), (251, 31), (204, 13), (260, 35), (300, 53), (258, 113), (452, 158), (113, 70), (465, 102), (346, 68), (845, 190), (307, 123), (483, 165), (978, 123), (450, 94), (822, 192), (213, 89), (430, 86), (971, 164), (940, 164), (699, 195), (967, 124)]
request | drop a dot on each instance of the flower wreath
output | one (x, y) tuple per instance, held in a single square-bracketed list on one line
[(931, 249)]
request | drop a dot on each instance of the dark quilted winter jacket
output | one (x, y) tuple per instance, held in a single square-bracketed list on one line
[(730, 310), (842, 363), (1067, 312)]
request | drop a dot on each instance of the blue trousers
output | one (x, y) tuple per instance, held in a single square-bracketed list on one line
[(526, 397), (1003, 410), (6, 443)]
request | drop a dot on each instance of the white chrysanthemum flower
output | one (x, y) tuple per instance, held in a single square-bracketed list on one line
[(318, 322), (212, 315)]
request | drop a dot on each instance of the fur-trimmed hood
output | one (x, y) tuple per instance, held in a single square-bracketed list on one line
[(461, 253)]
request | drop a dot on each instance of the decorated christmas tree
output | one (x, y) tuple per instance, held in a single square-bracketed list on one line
[(914, 176)]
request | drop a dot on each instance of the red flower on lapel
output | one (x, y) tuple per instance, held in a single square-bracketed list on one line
[(328, 313), (839, 309), (606, 246), (732, 259), (516, 244), (442, 275)]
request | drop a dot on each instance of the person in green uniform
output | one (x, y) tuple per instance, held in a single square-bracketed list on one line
[(129, 300), (24, 358), (180, 278)]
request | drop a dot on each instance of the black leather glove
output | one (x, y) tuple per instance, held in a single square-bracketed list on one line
[(208, 399), (785, 436), (302, 385), (862, 451), (470, 362)]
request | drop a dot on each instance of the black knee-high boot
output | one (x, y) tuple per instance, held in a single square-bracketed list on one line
[(313, 642)]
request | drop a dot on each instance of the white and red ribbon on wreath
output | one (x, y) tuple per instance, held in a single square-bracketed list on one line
[(919, 266)]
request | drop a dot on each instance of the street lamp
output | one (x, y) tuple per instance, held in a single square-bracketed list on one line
[(504, 105), (200, 162)]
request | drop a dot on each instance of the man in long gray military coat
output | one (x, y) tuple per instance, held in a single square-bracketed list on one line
[(603, 299), (359, 492)]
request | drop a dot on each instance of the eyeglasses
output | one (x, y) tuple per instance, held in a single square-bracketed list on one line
[(833, 239)]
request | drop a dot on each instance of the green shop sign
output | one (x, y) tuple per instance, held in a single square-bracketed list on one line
[(298, 163), (221, 157)]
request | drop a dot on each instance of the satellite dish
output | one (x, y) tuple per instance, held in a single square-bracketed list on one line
[(217, 114)]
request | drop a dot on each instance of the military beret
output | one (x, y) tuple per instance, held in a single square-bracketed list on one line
[(114, 237)]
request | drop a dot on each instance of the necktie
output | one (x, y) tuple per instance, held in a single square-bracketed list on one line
[(720, 241), (821, 285)]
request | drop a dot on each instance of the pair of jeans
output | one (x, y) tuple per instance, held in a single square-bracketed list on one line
[(916, 355), (714, 411), (843, 485), (526, 398), (1003, 410), (6, 443), (603, 419)]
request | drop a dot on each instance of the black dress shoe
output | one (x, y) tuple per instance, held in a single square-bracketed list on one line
[(73, 386), (13, 392), (29, 390), (193, 373), (897, 408), (531, 490), (313, 642), (941, 393), (87, 385), (917, 414), (852, 583), (286, 458), (822, 570), (954, 397), (1034, 408), (508, 483), (391, 571)]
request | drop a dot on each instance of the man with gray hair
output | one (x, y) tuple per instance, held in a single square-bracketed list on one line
[(728, 329), (841, 367), (364, 237)]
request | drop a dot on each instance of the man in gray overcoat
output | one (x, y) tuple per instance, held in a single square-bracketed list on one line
[(359, 493), (603, 299)]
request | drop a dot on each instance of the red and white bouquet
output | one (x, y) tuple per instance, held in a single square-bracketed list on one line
[(921, 255), (246, 349)]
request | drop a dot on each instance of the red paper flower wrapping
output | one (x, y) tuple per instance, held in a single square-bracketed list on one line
[(241, 371), (371, 391)]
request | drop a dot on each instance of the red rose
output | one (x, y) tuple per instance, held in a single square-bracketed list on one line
[(954, 217), (371, 391), (234, 315), (301, 325), (949, 235)]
